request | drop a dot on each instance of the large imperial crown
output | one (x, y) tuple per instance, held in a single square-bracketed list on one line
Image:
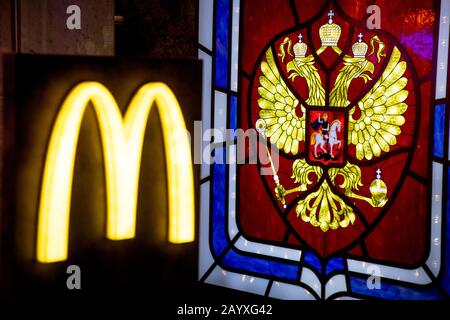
[(360, 48), (300, 48), (330, 32)]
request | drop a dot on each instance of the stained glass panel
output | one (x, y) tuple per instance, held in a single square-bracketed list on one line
[(356, 192)]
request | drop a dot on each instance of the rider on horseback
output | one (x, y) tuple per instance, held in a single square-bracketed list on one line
[(323, 123)]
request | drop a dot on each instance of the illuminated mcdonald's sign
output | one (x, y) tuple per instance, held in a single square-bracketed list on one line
[(122, 141)]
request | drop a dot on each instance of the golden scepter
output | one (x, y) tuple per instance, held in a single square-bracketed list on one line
[(261, 128)]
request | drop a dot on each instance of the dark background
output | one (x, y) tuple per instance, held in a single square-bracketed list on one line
[(146, 268), (157, 28)]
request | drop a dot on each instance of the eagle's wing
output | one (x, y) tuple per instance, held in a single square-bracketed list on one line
[(277, 103), (382, 111)]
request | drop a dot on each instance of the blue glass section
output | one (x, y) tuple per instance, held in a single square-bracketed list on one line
[(334, 264), (446, 277), (233, 112), (219, 236), (312, 260), (393, 291), (222, 27), (259, 265), (439, 125)]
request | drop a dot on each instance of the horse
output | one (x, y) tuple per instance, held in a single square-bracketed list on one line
[(318, 140)]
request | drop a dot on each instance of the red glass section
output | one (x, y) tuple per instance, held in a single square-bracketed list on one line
[(412, 23), (420, 158), (308, 11), (253, 215), (356, 9), (401, 236), (262, 21)]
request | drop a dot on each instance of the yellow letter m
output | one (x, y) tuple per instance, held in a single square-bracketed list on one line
[(122, 140)]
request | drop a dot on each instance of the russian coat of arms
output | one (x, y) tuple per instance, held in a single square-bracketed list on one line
[(308, 115)]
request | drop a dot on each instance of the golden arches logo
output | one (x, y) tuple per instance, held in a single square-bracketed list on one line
[(122, 140)]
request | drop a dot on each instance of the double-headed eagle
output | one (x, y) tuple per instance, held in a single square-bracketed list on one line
[(372, 129)]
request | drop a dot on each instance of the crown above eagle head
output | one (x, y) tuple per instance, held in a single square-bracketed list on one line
[(330, 32), (300, 48), (360, 48)]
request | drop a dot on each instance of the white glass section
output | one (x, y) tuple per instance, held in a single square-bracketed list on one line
[(220, 115), (417, 276), (442, 59), (206, 107), (434, 259), (232, 227), (205, 22), (205, 258), (334, 285), (268, 250), (235, 46), (237, 281), (346, 298), (286, 291), (207, 159), (309, 278)]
